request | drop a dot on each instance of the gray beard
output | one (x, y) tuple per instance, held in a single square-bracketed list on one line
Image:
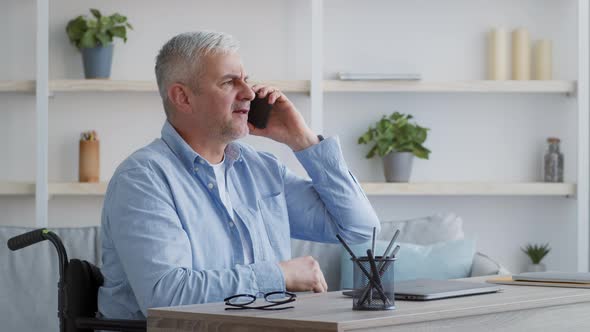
[(229, 133)]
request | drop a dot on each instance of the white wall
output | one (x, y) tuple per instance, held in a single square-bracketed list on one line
[(474, 137)]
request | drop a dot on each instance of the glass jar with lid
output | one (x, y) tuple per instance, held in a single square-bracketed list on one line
[(553, 161)]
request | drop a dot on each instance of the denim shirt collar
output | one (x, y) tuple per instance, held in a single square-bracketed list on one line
[(190, 157)]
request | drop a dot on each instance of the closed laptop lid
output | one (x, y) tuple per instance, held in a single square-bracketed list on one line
[(436, 288)]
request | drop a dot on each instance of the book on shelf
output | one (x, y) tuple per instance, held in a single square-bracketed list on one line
[(352, 76)]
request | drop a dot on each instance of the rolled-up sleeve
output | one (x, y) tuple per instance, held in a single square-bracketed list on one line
[(332, 202), (155, 251)]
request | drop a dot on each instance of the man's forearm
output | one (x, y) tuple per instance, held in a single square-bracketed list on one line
[(303, 141), (182, 286), (333, 190)]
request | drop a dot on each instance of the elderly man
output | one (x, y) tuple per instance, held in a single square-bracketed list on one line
[(195, 217)]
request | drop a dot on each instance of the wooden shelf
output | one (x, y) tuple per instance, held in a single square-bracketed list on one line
[(98, 85), (303, 86), (565, 87), (54, 188), (17, 86), (77, 188), (17, 188), (469, 189), (371, 188)]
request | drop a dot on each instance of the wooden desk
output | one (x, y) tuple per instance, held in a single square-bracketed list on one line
[(517, 308)]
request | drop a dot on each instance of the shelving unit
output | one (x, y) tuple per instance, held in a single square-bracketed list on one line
[(317, 87)]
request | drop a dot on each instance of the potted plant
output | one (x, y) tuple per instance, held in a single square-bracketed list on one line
[(94, 38), (536, 253), (397, 141)]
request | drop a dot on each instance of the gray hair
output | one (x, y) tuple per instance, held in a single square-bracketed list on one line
[(179, 59)]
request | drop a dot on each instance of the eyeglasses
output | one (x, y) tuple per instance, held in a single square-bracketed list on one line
[(241, 301)]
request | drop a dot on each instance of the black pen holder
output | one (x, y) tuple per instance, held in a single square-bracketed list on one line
[(376, 295)]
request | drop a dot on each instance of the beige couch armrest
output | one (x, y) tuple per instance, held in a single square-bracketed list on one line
[(483, 265)]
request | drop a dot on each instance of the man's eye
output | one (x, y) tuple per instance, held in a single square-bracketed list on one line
[(228, 82)]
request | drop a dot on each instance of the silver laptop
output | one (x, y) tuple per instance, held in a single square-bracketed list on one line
[(426, 289)]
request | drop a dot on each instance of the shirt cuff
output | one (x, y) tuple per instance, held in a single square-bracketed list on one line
[(316, 157), (268, 276)]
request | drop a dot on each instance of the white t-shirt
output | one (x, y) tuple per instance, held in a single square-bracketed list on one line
[(219, 170)]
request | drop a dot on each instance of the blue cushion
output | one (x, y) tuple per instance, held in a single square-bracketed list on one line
[(443, 260)]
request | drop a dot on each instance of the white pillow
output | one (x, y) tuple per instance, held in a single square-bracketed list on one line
[(440, 227)]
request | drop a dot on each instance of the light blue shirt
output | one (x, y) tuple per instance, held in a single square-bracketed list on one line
[(168, 240)]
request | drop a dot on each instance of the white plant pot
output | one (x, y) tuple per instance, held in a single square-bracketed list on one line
[(536, 267)]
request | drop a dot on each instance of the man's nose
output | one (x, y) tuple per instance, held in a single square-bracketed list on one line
[(247, 93)]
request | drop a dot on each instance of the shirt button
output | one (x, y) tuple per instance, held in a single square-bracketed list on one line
[(210, 185), (231, 224), (196, 169), (202, 162)]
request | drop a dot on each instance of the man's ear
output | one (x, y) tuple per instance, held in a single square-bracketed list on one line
[(178, 95)]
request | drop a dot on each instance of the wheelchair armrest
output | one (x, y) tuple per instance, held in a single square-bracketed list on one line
[(123, 325)]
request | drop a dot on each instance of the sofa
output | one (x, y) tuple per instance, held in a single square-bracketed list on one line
[(28, 295), (428, 230)]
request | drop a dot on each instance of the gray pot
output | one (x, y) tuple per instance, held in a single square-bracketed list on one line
[(97, 61), (398, 166)]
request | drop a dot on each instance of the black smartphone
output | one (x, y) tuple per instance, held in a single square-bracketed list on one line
[(259, 112)]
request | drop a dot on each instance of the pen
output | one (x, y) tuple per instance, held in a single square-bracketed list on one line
[(387, 262), (373, 244), (395, 235), (376, 276)]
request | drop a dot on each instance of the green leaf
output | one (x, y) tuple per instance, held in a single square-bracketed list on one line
[(105, 21), (421, 152), (118, 18), (92, 24), (75, 29), (371, 153), (129, 26), (420, 136), (96, 13), (387, 151), (89, 39), (104, 39), (366, 138), (120, 32)]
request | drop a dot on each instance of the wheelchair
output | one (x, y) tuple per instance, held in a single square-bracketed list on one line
[(78, 286)]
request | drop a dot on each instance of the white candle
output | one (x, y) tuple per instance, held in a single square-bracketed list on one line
[(521, 55), (543, 58), (498, 55)]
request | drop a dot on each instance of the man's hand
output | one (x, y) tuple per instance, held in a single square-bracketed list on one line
[(285, 124), (303, 274)]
